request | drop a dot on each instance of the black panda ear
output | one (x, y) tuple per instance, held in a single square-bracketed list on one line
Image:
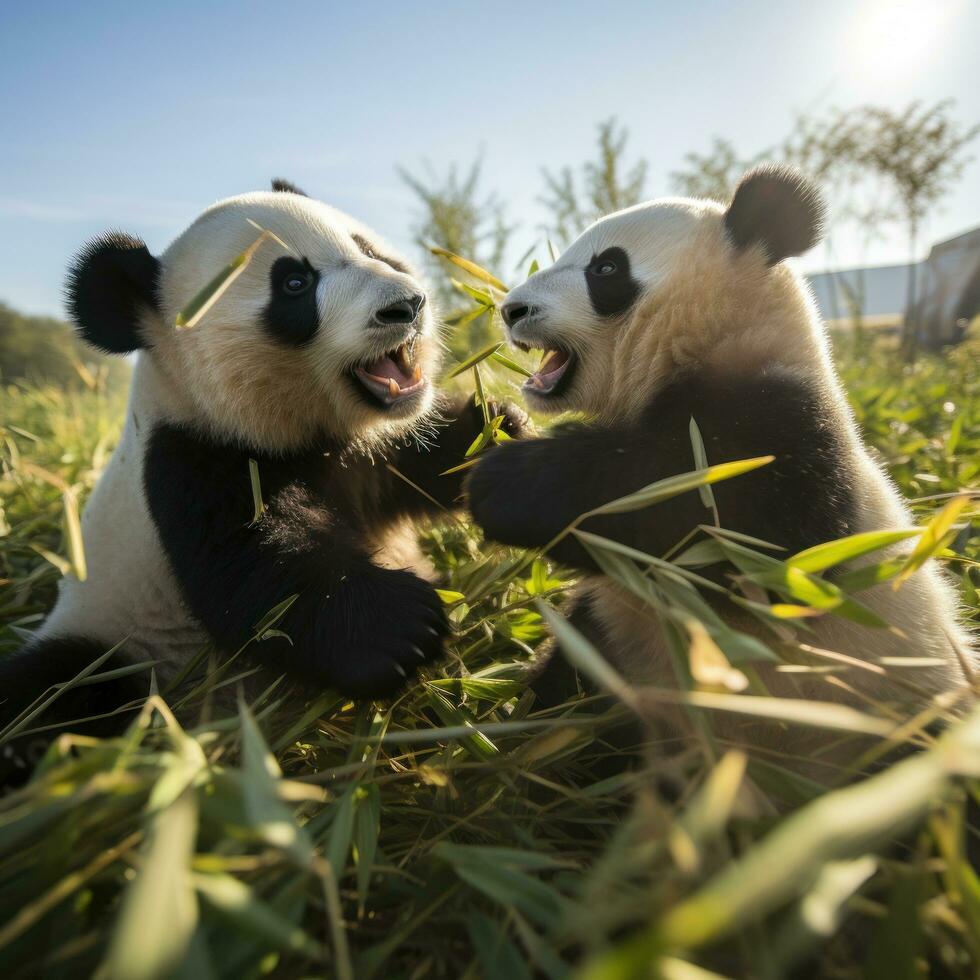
[(287, 186), (111, 281), (778, 208)]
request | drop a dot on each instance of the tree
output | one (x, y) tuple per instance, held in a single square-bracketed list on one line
[(920, 152), (607, 186), (456, 216), (833, 150), (712, 175)]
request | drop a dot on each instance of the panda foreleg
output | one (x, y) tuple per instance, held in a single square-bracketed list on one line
[(527, 493), (352, 624)]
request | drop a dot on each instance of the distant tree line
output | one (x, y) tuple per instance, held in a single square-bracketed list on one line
[(43, 348)]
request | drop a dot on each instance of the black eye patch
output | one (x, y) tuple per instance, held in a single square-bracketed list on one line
[(291, 316), (612, 290), (368, 249)]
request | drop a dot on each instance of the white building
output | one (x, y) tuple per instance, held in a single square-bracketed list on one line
[(947, 291)]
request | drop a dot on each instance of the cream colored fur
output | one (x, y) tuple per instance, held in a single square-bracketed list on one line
[(243, 384)]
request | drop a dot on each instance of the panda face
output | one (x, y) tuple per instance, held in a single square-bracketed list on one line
[(577, 310), (671, 286), (326, 332)]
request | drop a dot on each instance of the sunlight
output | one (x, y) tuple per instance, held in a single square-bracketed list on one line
[(897, 38)]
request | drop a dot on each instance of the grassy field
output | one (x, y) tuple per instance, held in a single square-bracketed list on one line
[(460, 832)]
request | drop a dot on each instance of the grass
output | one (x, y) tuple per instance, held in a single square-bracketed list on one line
[(461, 832)]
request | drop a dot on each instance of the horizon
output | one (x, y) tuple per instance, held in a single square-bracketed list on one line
[(217, 100)]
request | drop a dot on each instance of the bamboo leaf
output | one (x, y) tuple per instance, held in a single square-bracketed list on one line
[(512, 365), (477, 272), (709, 666), (933, 538), (159, 912), (213, 290), (475, 359), (823, 556), (239, 905), (701, 462), (674, 485), (482, 296)]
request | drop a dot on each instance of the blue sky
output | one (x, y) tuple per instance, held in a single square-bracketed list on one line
[(137, 115)]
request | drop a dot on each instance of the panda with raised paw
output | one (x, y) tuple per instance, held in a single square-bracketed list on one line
[(682, 308), (316, 364)]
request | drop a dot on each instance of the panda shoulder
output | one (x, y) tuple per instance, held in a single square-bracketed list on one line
[(772, 410)]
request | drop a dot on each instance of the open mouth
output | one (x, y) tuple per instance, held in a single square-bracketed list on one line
[(394, 377), (553, 375)]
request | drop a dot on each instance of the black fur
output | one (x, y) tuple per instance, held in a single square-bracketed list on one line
[(286, 187), (777, 208), (528, 492), (355, 626), (292, 319), (369, 250), (611, 293), (111, 281), (29, 673)]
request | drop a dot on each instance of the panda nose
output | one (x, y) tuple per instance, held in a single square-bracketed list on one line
[(512, 312), (404, 311)]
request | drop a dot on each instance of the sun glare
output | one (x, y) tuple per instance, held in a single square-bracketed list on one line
[(892, 39)]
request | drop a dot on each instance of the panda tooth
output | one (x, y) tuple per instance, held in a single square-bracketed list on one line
[(403, 360), (417, 374), (394, 389)]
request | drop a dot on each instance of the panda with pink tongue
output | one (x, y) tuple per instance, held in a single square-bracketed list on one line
[(314, 370), (677, 309)]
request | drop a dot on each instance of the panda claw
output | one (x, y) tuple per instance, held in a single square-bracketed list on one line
[(400, 669), (418, 653)]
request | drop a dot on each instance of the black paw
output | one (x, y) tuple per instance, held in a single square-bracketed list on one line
[(378, 628), (496, 493), (469, 419), (517, 423)]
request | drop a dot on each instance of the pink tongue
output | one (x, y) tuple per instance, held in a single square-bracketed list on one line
[(385, 367)]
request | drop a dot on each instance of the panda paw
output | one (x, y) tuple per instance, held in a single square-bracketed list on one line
[(517, 423), (393, 623), (498, 498), (468, 419)]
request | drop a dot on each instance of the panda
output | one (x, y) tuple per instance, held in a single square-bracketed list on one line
[(314, 370), (678, 309)]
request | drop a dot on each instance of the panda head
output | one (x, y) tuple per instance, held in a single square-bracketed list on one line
[(669, 286), (325, 333)]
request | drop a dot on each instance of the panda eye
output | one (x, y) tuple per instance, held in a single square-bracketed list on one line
[(297, 283), (604, 268)]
